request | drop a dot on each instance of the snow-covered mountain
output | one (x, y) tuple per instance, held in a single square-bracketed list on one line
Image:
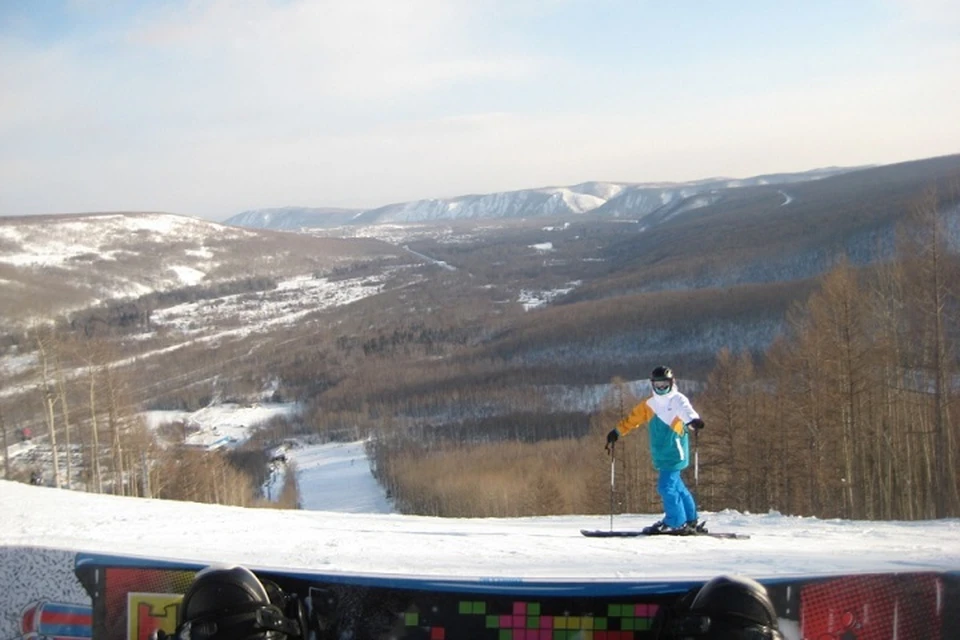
[(614, 199), (293, 218), (52, 264), (527, 203)]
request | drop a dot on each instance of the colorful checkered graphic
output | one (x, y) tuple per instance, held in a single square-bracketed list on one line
[(528, 621), (124, 590)]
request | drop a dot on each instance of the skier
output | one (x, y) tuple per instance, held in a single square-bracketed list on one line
[(669, 417), (725, 608), (234, 604)]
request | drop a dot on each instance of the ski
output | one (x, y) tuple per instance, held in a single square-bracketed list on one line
[(637, 533)]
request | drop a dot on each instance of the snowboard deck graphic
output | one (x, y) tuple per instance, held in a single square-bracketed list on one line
[(135, 597), (132, 597), (639, 533)]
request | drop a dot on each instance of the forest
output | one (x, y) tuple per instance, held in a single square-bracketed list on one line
[(851, 413), (828, 389)]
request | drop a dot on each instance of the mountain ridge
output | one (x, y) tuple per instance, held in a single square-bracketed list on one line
[(597, 197)]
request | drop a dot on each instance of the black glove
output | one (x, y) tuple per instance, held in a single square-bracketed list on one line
[(611, 441), (695, 425)]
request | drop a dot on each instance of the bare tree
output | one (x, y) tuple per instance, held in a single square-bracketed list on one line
[(49, 394), (935, 295), (724, 414), (6, 451), (898, 475), (837, 314), (95, 363), (58, 355)]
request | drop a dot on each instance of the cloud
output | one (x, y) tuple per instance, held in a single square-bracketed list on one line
[(217, 106), (929, 12), (358, 50), (252, 63), (219, 89)]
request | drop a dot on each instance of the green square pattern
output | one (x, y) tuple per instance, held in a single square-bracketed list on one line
[(469, 607)]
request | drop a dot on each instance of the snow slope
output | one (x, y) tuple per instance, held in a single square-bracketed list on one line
[(332, 536), (348, 526)]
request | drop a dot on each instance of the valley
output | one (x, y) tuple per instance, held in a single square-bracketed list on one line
[(448, 334)]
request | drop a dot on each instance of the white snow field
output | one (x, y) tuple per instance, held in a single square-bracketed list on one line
[(348, 526), (345, 529)]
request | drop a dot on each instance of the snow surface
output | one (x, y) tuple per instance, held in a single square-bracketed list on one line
[(292, 299), (535, 299), (348, 526), (45, 242), (332, 477), (332, 534), (225, 425)]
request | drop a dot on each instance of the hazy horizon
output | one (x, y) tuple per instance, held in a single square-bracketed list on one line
[(209, 108)]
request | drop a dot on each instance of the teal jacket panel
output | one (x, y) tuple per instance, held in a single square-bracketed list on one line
[(666, 418)]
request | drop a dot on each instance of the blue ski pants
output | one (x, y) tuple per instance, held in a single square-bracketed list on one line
[(678, 504)]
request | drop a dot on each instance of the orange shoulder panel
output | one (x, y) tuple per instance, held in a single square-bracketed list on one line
[(639, 416)]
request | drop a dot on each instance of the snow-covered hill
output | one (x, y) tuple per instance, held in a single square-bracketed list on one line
[(59, 241), (615, 199), (292, 218), (54, 264), (529, 203)]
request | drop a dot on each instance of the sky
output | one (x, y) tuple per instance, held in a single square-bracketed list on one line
[(209, 108), (349, 526)]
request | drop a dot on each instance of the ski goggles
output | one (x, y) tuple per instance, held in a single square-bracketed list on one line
[(662, 385)]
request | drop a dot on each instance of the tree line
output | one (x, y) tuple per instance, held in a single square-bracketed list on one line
[(852, 412), (848, 412), (83, 414)]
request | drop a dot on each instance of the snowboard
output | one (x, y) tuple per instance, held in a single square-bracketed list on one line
[(133, 597), (639, 533)]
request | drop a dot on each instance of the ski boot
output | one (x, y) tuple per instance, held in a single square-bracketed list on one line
[(662, 528), (696, 526)]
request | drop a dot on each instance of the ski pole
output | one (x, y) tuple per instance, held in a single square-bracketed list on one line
[(696, 461), (613, 474)]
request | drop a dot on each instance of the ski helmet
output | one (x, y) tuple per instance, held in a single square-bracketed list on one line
[(727, 607), (232, 604), (661, 379)]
